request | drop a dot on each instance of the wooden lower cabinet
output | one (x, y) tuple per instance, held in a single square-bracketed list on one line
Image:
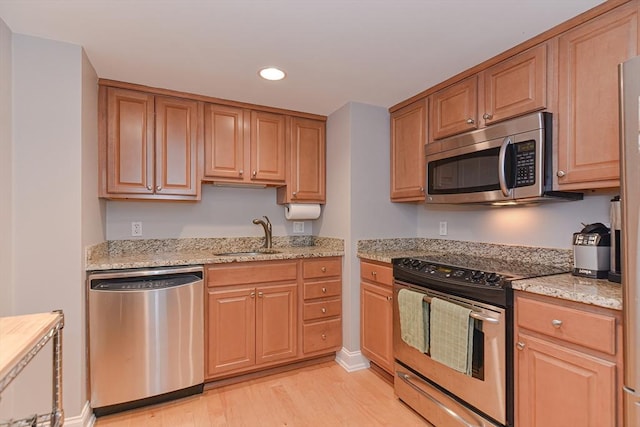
[(376, 313), (566, 372), (264, 314)]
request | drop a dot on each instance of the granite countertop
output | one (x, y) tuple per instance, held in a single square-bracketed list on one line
[(171, 252), (598, 292)]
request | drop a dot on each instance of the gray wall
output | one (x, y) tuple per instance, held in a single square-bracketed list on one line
[(6, 171)]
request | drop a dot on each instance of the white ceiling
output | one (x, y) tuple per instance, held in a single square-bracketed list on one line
[(377, 52)]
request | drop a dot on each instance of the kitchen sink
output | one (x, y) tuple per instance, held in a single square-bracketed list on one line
[(250, 253)]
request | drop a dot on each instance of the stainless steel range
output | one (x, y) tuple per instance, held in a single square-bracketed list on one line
[(480, 395)]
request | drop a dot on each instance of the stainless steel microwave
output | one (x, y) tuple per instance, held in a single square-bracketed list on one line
[(506, 163)]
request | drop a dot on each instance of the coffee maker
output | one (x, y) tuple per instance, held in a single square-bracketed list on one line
[(616, 226)]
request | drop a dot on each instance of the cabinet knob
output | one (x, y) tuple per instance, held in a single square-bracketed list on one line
[(324, 290), (470, 121), (556, 323), (294, 194), (487, 116), (389, 298), (252, 294), (149, 187), (254, 173), (374, 274), (422, 189), (323, 269), (240, 172), (324, 336), (561, 174), (260, 294), (159, 188), (323, 310), (520, 345)]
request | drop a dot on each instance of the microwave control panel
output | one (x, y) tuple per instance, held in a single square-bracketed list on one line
[(525, 163)]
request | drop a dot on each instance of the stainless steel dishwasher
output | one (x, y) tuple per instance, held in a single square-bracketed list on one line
[(146, 333)]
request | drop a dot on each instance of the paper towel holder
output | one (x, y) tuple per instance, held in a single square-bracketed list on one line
[(302, 211)]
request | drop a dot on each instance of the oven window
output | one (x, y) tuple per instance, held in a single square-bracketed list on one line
[(477, 358), (467, 173)]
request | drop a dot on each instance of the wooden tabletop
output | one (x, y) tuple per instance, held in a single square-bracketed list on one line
[(18, 335)]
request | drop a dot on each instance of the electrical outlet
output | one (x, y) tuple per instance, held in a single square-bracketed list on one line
[(443, 228), (298, 227), (136, 229)]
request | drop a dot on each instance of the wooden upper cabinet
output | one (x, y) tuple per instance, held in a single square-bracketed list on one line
[(515, 86), (408, 136), (143, 157), (588, 122), (454, 109), (268, 146), (224, 142), (244, 146), (306, 173)]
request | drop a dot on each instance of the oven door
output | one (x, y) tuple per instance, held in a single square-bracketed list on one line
[(485, 389)]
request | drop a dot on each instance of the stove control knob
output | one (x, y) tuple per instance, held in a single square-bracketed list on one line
[(406, 261), (477, 275), (493, 278), (415, 263)]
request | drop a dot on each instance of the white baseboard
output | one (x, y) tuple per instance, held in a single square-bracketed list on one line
[(85, 419), (351, 360)]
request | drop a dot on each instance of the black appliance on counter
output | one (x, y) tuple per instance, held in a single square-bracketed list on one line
[(615, 267), (484, 286), (591, 251)]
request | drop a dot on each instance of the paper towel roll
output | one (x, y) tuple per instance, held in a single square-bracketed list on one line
[(298, 211)]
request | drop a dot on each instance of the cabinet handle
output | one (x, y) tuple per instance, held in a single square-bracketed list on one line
[(149, 187), (158, 188), (470, 121), (389, 298), (294, 194), (252, 294), (561, 174), (556, 323), (323, 269), (260, 294), (487, 116), (324, 290), (240, 172), (323, 310), (254, 173), (324, 337), (374, 274), (520, 345)]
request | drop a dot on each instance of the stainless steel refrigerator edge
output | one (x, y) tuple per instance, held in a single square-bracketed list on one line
[(630, 206)]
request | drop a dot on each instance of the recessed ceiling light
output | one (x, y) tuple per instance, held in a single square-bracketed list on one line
[(272, 73)]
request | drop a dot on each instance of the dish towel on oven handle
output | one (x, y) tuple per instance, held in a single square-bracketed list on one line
[(414, 319), (451, 335)]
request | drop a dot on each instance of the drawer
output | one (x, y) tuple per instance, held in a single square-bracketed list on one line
[(251, 272), (322, 309), (590, 330), (376, 273), (325, 288), (321, 267), (322, 336)]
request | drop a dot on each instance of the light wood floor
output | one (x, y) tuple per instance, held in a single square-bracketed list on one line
[(321, 395)]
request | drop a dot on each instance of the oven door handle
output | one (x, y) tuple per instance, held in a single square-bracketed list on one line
[(473, 314), (407, 379)]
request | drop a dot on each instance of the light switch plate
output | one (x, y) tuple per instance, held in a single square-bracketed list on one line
[(443, 228), (298, 226)]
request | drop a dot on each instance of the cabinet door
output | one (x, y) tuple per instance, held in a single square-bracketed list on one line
[(588, 123), (231, 326), (454, 109), (559, 387), (129, 142), (408, 136), (516, 86), (308, 158), (224, 142), (267, 147), (176, 146), (276, 321), (376, 324)]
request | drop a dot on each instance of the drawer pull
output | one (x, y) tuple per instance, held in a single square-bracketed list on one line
[(323, 269), (556, 323), (374, 274), (520, 345), (324, 337), (324, 290), (324, 310)]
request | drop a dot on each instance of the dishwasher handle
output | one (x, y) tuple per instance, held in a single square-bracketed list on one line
[(144, 284)]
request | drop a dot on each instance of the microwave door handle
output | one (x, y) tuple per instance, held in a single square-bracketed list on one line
[(502, 176)]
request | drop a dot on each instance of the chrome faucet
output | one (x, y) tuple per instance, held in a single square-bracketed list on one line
[(267, 231)]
